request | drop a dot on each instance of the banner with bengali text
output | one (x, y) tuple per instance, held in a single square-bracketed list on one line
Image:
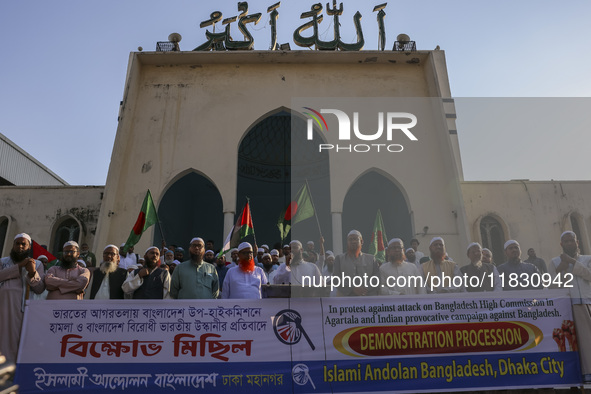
[(302, 345)]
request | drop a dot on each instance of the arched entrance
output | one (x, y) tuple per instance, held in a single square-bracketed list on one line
[(191, 207), (67, 229), (370, 192), (269, 176)]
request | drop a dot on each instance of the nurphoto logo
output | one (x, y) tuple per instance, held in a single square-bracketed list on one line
[(396, 124)]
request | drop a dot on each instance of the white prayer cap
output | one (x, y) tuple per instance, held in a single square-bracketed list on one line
[(408, 250), (330, 254), (209, 251), (260, 250), (394, 240), (295, 241), (111, 246), (265, 246), (286, 246), (42, 257), (244, 245), (486, 250), (310, 243), (234, 250), (274, 252), (473, 244), (122, 245), (509, 243), (266, 254), (150, 248), (197, 239), (82, 263), (23, 235), (71, 243), (436, 239), (354, 232), (568, 232)]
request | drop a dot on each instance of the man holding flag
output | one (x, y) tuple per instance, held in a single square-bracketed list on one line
[(147, 217)]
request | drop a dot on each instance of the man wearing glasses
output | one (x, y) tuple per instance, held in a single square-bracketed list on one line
[(68, 280), (107, 279), (193, 279)]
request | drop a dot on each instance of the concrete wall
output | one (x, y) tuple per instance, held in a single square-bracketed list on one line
[(37, 210), (534, 213), (179, 109)]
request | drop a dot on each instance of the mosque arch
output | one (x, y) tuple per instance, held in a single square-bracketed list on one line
[(360, 207), (492, 232), (66, 228), (274, 160), (190, 206), (4, 225)]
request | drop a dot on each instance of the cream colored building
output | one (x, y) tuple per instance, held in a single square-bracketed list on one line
[(203, 130)]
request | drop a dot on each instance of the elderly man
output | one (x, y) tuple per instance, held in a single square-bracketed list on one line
[(295, 269), (194, 279), (68, 280), (514, 267), (150, 282), (107, 279), (245, 280), (579, 268), (445, 270), (19, 275), (487, 275), (399, 277), (487, 256), (353, 264)]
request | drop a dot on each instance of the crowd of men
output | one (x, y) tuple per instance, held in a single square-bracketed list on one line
[(165, 274)]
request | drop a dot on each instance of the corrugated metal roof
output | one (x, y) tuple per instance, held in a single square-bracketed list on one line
[(22, 169)]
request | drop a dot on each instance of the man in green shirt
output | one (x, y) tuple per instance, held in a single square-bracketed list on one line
[(194, 279)]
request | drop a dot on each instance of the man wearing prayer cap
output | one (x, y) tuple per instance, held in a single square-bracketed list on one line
[(438, 266), (179, 255), (514, 265), (20, 276), (195, 279), (354, 263), (579, 267), (486, 277), (267, 265), (274, 258), (259, 256), (68, 280), (209, 257), (150, 282), (125, 259), (244, 281), (295, 269), (399, 277), (233, 258), (107, 279), (487, 256)]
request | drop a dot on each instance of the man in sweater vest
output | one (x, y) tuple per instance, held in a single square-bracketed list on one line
[(151, 281), (480, 276), (439, 272), (107, 279)]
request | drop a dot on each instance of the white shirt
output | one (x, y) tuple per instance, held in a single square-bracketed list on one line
[(400, 286), (294, 273), (580, 292), (240, 284)]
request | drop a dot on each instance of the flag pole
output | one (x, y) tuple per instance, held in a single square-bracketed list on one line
[(314, 207), (158, 221)]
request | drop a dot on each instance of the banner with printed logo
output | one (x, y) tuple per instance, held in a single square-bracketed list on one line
[(305, 345)]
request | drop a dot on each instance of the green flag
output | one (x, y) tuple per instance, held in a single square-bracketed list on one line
[(379, 240), (299, 209), (145, 219)]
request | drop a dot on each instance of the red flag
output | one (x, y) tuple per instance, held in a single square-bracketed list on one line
[(39, 250)]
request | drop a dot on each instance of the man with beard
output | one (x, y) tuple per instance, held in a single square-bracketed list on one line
[(107, 279), (483, 271), (19, 275), (209, 257), (193, 279), (411, 257), (295, 269), (150, 282), (514, 265), (438, 266), (268, 265), (179, 255), (169, 261), (398, 276), (487, 256), (353, 264), (244, 281), (579, 266), (86, 255), (221, 269), (68, 280)]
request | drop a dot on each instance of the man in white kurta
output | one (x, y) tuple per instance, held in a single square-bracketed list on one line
[(579, 266), (245, 280), (399, 277), (20, 276), (294, 272)]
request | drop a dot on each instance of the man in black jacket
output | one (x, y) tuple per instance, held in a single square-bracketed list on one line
[(106, 280)]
